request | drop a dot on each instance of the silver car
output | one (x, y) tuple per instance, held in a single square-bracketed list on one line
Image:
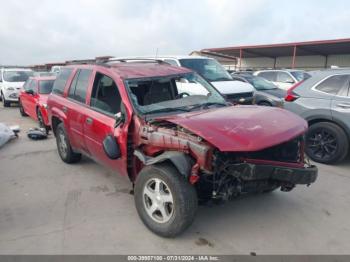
[(324, 101)]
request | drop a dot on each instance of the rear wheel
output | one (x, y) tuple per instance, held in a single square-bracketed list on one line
[(326, 143), (165, 201), (64, 148), (21, 109)]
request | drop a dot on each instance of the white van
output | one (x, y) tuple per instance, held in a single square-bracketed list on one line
[(237, 92), (11, 81)]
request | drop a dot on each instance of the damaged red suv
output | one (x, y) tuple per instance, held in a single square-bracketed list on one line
[(176, 146)]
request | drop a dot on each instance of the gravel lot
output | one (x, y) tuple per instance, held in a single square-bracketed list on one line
[(48, 207)]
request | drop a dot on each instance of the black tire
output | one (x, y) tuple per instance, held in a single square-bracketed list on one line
[(63, 146), (326, 143), (181, 211), (6, 103), (41, 121), (21, 109)]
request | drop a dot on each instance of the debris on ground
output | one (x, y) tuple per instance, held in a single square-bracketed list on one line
[(7, 133), (37, 133)]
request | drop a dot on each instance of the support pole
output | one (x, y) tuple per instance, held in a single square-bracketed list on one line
[(240, 59), (326, 62), (294, 54)]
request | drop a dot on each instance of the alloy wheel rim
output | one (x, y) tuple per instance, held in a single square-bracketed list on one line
[(158, 200), (322, 144), (40, 118), (62, 145)]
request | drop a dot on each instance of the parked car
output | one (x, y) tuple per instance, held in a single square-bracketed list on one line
[(44, 73), (174, 147), (33, 99), (324, 101), (55, 70), (11, 81), (266, 93), (236, 92), (243, 72), (284, 79)]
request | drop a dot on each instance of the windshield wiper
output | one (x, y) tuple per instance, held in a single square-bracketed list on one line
[(168, 109), (206, 105)]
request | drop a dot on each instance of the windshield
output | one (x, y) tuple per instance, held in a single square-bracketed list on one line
[(208, 68), (260, 83), (176, 93), (300, 75), (17, 76), (45, 86)]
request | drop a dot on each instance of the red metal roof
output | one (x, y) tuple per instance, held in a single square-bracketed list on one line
[(323, 48)]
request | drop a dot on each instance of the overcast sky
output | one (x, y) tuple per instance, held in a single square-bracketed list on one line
[(39, 31)]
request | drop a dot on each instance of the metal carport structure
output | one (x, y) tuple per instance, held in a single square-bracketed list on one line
[(324, 48)]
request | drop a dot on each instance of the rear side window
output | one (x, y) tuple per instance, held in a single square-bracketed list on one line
[(61, 81), (79, 86), (271, 76), (333, 84)]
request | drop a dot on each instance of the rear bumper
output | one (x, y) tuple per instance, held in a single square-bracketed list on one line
[(288, 175)]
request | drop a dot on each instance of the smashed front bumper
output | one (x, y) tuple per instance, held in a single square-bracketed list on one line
[(294, 175)]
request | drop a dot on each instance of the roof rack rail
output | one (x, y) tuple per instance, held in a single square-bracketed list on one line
[(140, 60)]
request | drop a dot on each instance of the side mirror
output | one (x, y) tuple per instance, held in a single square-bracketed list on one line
[(30, 92), (111, 147), (120, 117)]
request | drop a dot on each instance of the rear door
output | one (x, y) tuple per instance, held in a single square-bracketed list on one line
[(105, 103), (76, 107), (341, 102)]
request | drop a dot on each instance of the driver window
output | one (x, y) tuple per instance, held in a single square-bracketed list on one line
[(105, 95), (26, 85)]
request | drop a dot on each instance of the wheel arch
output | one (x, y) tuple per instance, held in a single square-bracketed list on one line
[(312, 121), (181, 161), (55, 121)]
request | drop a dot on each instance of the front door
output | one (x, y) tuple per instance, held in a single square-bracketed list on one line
[(105, 103)]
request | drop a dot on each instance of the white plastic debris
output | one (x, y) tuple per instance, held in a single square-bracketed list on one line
[(7, 133)]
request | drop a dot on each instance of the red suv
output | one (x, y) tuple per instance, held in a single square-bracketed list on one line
[(175, 147), (33, 99)]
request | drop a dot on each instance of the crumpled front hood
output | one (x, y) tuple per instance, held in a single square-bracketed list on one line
[(242, 128), (233, 87)]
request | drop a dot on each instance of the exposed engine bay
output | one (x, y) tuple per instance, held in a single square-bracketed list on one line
[(224, 175)]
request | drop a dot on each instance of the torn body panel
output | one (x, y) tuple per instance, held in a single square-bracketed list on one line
[(219, 174)]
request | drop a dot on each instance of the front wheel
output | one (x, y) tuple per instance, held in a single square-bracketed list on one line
[(21, 109), (326, 143), (5, 102), (41, 121), (165, 201)]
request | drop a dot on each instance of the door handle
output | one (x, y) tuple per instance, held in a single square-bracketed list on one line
[(343, 105), (64, 109), (89, 121)]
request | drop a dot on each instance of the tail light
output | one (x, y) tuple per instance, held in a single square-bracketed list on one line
[(291, 96)]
